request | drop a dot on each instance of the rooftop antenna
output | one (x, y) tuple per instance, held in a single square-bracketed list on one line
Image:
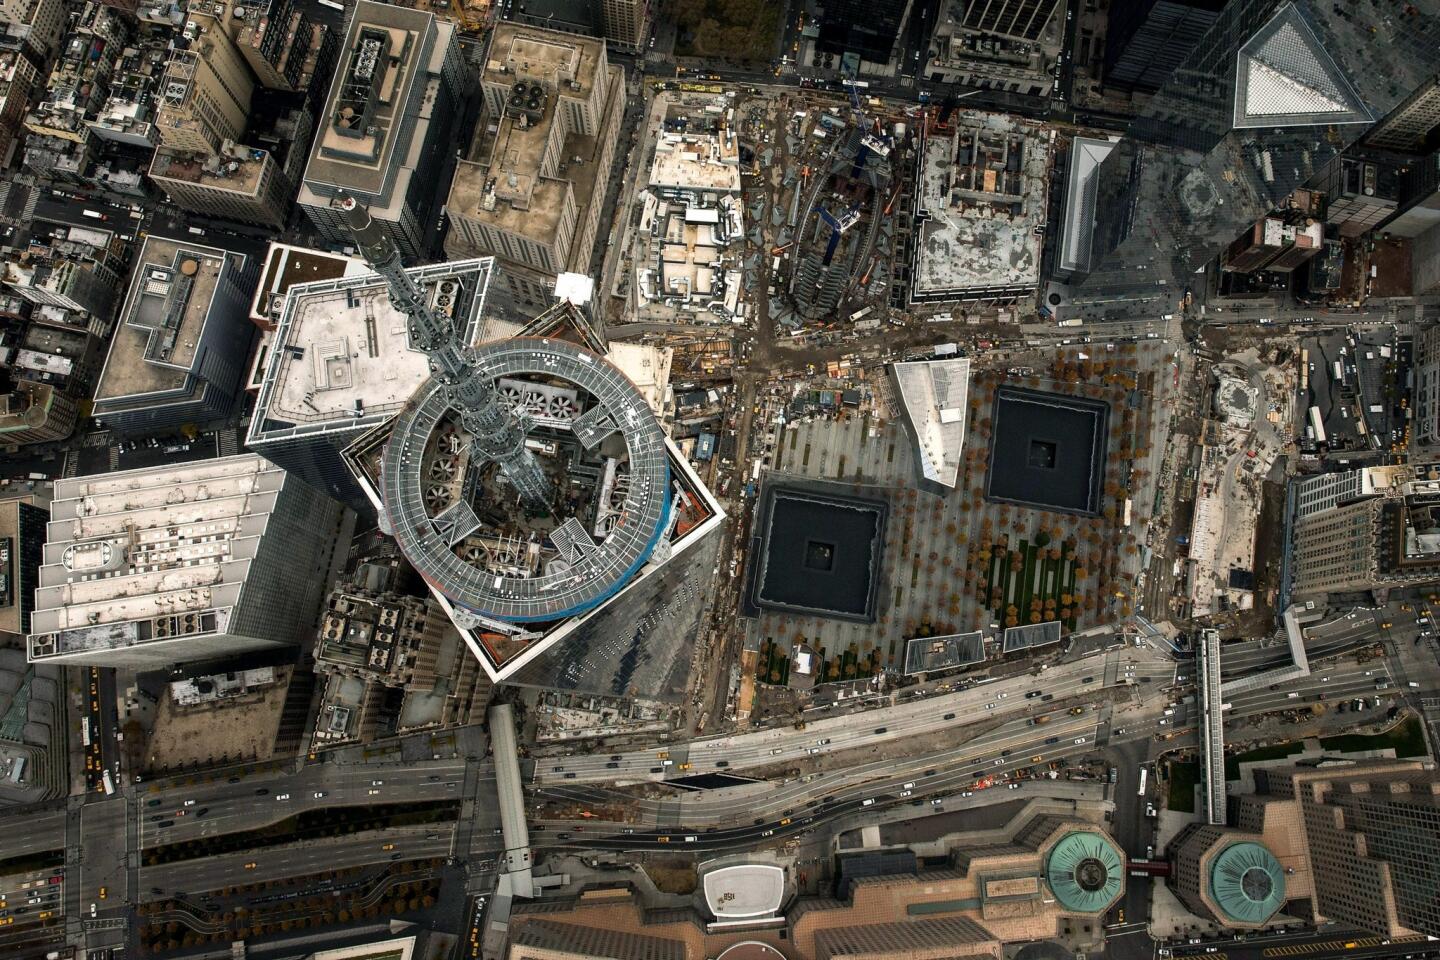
[(497, 432)]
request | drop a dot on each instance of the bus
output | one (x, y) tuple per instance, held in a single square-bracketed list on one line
[(1317, 423), (1144, 773), (108, 783), (85, 730)]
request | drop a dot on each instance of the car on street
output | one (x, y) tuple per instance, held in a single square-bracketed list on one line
[(282, 796)]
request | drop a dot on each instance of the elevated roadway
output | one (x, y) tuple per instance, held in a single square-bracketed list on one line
[(1019, 696)]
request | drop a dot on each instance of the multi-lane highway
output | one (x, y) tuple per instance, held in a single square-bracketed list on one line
[(1024, 695), (185, 812), (417, 841), (31, 913), (1012, 745)]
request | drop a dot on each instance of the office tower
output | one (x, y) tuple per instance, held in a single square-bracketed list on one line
[(1020, 19), (1426, 395), (340, 363), (1227, 875), (237, 183), (17, 79), (532, 190), (389, 663), (34, 412), (867, 29), (1372, 833), (1145, 40), (22, 548), (1270, 95), (1411, 126), (1274, 244), (1362, 194), (285, 46), (626, 22), (161, 565), (622, 24), (1376, 539), (32, 26), (286, 266), (179, 350), (205, 94), (1418, 207), (386, 125), (1425, 262)]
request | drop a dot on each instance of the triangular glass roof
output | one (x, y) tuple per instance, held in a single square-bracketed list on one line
[(1284, 78)]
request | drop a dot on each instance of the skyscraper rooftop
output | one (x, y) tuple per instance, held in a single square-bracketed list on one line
[(154, 565)]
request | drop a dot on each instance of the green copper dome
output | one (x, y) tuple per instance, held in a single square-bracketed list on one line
[(1085, 872), (1247, 882)]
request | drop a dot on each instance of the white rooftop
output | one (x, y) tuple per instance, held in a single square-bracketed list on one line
[(123, 549), (978, 207), (745, 890), (340, 359), (933, 394), (697, 162), (398, 948)]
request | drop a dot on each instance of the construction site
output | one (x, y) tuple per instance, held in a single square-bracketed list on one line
[(832, 227)]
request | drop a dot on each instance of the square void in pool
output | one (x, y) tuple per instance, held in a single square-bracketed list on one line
[(819, 552), (1048, 450)]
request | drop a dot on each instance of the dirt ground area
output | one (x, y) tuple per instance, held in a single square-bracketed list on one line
[(671, 876), (242, 728)]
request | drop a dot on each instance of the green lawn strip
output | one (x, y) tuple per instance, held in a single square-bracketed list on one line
[(1405, 737), (1184, 777), (1274, 751), (1022, 584)]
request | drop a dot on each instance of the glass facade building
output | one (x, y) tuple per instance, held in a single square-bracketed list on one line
[(1270, 95), (866, 28)]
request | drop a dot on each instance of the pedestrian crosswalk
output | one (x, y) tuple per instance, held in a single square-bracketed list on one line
[(1332, 946)]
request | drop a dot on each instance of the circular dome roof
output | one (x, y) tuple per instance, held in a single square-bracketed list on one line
[(1247, 883), (1084, 871)]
